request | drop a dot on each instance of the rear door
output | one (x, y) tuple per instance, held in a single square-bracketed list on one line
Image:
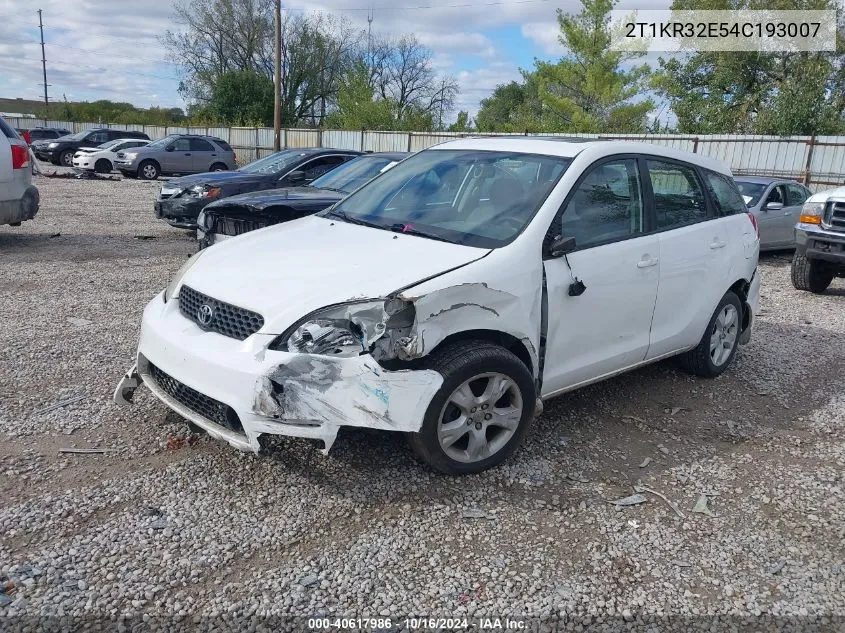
[(695, 255), (203, 154)]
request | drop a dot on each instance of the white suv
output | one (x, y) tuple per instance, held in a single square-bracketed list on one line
[(18, 197), (451, 295)]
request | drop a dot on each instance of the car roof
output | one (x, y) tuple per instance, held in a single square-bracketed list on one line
[(572, 147), (764, 180)]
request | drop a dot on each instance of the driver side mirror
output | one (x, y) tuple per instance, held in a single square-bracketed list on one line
[(560, 246), (295, 177), (774, 206)]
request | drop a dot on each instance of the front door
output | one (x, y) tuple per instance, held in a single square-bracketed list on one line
[(178, 160), (606, 327)]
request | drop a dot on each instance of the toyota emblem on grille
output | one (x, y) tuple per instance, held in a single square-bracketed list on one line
[(204, 314)]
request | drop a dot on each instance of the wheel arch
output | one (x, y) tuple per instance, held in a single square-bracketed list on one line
[(503, 339), (740, 288)]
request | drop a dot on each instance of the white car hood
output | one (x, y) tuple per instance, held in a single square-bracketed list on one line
[(824, 196), (286, 271)]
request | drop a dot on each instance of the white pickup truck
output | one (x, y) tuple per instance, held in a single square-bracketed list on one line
[(18, 196)]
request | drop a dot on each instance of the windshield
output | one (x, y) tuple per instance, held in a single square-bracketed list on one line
[(109, 144), (477, 198), (164, 142), (349, 176), (751, 191), (278, 162)]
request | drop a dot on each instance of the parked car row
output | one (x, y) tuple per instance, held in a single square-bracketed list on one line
[(445, 295), (60, 151)]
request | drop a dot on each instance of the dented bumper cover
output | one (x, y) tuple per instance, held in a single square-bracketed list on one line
[(270, 392)]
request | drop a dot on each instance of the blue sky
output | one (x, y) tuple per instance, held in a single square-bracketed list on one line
[(108, 49)]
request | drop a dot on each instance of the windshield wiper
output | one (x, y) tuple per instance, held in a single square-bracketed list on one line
[(408, 229), (342, 216), (329, 189)]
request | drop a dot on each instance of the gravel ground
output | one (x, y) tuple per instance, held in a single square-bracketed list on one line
[(167, 524)]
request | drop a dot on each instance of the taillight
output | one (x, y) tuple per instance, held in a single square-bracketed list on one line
[(754, 224), (20, 157), (27, 137)]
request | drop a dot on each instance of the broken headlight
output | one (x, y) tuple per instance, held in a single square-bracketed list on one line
[(173, 286), (341, 330)]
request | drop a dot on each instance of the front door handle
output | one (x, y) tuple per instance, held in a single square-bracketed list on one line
[(717, 243), (647, 262)]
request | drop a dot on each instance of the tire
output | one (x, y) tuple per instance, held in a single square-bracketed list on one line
[(148, 170), (468, 369), (218, 167), (103, 166), (810, 275), (66, 158), (708, 359)]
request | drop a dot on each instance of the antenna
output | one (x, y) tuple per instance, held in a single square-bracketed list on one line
[(370, 36)]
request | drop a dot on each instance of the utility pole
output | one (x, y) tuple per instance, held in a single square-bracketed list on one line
[(370, 38), (43, 63), (277, 117)]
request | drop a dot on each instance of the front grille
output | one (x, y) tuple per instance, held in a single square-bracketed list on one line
[(209, 408), (235, 226), (835, 216), (226, 319)]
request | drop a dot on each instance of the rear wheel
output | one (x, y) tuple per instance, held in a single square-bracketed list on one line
[(218, 167), (102, 166), (809, 274), (717, 347), (148, 170), (481, 411)]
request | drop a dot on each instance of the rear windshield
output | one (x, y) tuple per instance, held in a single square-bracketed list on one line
[(7, 130)]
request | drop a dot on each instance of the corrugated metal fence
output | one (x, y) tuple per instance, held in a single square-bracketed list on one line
[(817, 161)]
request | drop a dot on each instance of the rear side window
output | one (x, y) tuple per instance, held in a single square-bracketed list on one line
[(678, 195), (606, 206), (226, 147), (797, 195), (726, 197), (201, 145)]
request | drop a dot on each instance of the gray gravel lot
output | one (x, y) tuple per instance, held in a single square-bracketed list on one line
[(163, 525)]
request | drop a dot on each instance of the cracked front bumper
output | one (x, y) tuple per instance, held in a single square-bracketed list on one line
[(269, 392)]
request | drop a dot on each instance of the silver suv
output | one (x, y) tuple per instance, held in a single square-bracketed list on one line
[(177, 154), (18, 197)]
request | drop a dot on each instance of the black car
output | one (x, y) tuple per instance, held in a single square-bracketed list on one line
[(33, 135), (60, 151), (181, 199), (250, 211)]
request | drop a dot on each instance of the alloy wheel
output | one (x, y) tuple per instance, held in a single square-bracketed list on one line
[(724, 335), (480, 417)]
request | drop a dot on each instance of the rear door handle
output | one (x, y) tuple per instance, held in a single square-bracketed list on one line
[(647, 262), (717, 243)]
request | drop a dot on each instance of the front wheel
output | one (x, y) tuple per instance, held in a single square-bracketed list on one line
[(66, 158), (148, 170), (103, 166), (718, 346), (481, 411), (808, 274)]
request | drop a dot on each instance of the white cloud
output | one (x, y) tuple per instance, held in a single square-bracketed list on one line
[(546, 35)]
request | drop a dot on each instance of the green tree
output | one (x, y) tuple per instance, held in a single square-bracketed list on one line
[(590, 90), (757, 93), (356, 107), (513, 107), (462, 124), (241, 97)]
